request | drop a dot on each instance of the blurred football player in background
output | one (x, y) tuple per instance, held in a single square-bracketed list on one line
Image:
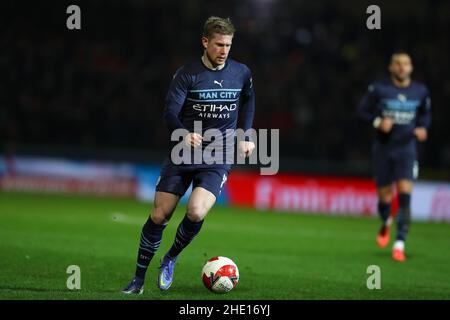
[(400, 111)]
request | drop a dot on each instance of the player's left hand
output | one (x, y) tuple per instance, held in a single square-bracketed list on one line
[(420, 133), (246, 148)]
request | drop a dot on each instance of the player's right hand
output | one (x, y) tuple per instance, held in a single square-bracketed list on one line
[(193, 139), (386, 125)]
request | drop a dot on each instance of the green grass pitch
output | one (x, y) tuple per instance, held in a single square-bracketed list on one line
[(279, 255)]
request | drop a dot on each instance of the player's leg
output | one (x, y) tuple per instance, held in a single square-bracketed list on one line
[(171, 186), (404, 187), (207, 185), (406, 170), (151, 235), (200, 202), (384, 211), (384, 202), (383, 178)]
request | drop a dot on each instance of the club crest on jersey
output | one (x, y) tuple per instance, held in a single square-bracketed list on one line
[(218, 83), (401, 97)]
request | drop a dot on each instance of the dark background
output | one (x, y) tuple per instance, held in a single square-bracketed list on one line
[(99, 92)]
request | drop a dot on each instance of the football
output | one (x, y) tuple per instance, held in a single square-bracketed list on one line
[(220, 274)]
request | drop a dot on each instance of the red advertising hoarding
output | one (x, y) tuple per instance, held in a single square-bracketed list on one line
[(288, 192)]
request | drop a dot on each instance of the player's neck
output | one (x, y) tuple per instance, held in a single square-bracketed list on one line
[(401, 83), (209, 64)]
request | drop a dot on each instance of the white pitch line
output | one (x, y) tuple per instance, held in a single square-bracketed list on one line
[(123, 218)]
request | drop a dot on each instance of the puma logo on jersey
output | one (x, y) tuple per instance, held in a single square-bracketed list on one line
[(219, 83)]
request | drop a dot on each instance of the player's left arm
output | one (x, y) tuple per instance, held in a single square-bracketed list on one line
[(246, 115), (423, 119)]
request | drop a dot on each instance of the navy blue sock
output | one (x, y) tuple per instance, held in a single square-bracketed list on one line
[(384, 211), (150, 240), (403, 215), (186, 231)]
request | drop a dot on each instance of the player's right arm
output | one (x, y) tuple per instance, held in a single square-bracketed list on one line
[(174, 102), (368, 111)]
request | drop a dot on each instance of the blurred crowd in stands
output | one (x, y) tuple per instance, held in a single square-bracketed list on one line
[(104, 85)]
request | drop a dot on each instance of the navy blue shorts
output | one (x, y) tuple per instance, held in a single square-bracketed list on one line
[(176, 179), (392, 164)]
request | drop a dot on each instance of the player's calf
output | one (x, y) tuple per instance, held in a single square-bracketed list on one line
[(186, 232), (383, 236), (403, 216)]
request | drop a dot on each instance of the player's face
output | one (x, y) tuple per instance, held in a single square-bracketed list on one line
[(217, 48), (401, 67)]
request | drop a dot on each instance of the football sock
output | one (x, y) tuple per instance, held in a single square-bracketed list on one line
[(384, 211), (403, 215), (399, 244), (150, 240), (186, 231)]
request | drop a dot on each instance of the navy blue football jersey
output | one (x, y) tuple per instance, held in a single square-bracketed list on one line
[(221, 99), (408, 107)]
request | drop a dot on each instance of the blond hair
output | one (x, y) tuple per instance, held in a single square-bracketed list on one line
[(218, 25)]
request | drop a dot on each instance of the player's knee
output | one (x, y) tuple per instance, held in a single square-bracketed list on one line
[(159, 216), (405, 187), (196, 212), (385, 195), (386, 199)]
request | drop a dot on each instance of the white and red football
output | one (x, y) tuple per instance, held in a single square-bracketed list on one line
[(220, 274)]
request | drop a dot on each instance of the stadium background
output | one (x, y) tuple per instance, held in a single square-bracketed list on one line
[(80, 111)]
